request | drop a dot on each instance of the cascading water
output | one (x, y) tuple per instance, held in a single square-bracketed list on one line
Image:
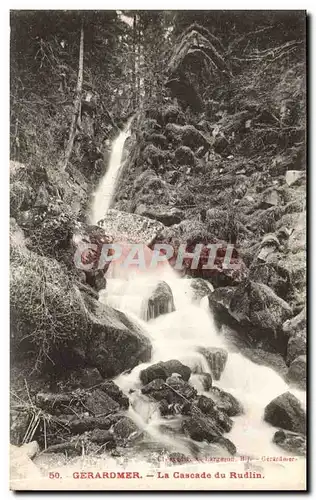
[(179, 334), (105, 191)]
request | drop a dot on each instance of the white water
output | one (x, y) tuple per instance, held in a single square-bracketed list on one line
[(104, 194), (177, 335)]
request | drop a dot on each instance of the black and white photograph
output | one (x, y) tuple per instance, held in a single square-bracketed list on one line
[(158, 250)]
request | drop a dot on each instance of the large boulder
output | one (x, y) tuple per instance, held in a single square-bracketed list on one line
[(258, 304), (160, 301), (256, 307), (201, 428), (285, 411), (163, 370)]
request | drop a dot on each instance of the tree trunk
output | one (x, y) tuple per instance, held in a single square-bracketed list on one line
[(77, 104), (134, 72)]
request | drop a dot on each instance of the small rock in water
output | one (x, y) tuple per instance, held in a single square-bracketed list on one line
[(160, 302), (163, 370), (216, 358), (207, 381), (291, 442)]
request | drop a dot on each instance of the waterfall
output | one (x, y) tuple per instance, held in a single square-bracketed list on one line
[(179, 335), (105, 192)]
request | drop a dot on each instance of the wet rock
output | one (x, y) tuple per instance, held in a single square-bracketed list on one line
[(125, 429), (291, 442), (216, 358), (99, 403), (207, 381), (200, 288), (201, 428), (160, 301), (175, 390), (156, 389), (184, 156), (209, 408), (296, 374), (226, 402), (165, 369), (219, 302), (285, 411), (228, 445)]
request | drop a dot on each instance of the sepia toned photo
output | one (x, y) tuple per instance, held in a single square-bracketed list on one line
[(158, 250)]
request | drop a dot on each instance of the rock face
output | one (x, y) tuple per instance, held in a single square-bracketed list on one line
[(216, 358), (133, 228), (195, 50), (160, 301), (163, 370), (286, 412)]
